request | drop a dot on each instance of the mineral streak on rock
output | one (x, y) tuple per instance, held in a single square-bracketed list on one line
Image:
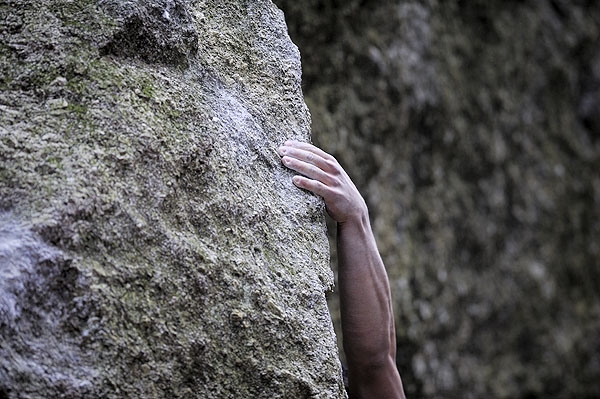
[(151, 244)]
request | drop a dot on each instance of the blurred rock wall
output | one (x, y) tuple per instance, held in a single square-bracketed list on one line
[(473, 131), (151, 243)]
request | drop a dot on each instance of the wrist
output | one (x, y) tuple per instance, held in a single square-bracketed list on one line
[(358, 219)]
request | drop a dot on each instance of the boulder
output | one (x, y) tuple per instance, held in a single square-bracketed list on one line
[(151, 243)]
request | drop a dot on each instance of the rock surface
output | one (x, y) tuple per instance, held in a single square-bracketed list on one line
[(473, 130), (151, 243)]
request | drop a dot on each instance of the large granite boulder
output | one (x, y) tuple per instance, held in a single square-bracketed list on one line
[(473, 130), (151, 243)]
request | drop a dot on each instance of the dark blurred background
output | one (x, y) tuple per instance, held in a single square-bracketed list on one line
[(472, 128)]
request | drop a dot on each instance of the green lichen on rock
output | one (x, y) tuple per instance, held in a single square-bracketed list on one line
[(151, 243), (472, 128)]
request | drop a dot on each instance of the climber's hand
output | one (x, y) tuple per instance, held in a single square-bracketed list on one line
[(322, 174)]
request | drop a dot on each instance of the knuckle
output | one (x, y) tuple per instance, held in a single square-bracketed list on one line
[(335, 168), (335, 182), (319, 187), (315, 170), (331, 165)]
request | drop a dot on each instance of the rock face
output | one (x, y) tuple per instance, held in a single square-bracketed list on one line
[(151, 243), (473, 130)]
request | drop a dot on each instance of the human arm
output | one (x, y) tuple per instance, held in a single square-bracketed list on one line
[(367, 317)]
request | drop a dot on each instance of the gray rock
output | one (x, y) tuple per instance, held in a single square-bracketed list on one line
[(151, 243)]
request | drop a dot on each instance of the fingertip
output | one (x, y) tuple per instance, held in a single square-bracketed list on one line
[(300, 182)]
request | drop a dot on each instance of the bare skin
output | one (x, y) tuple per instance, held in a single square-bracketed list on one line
[(367, 316)]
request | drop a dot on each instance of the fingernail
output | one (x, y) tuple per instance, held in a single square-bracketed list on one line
[(282, 150), (296, 180)]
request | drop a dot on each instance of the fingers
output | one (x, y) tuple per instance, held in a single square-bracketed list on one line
[(306, 168), (303, 155), (311, 185), (309, 148), (310, 154), (321, 169)]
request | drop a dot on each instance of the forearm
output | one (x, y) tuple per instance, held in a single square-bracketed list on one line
[(367, 317)]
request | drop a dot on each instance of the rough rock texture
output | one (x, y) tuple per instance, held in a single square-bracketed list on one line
[(151, 243), (473, 130)]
